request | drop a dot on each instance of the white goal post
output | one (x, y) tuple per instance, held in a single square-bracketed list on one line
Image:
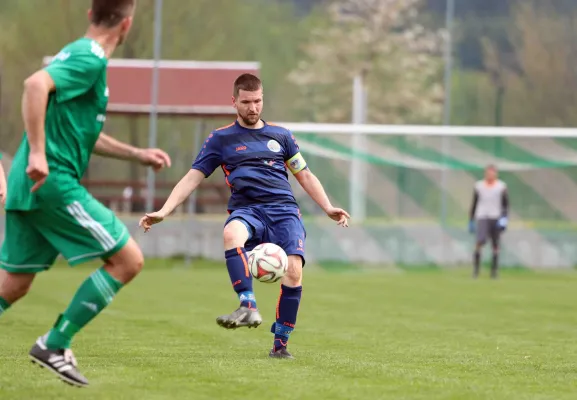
[(428, 130), (357, 173)]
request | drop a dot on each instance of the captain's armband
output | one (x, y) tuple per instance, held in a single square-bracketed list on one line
[(296, 163)]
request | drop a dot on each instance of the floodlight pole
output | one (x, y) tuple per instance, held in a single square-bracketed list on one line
[(450, 16), (200, 128), (446, 144), (358, 171), (153, 127)]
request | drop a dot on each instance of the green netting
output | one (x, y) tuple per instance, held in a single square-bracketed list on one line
[(423, 177)]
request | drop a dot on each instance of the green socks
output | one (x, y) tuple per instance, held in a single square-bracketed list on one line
[(4, 305), (92, 297)]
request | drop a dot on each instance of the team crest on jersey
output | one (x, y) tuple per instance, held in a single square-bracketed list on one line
[(273, 146)]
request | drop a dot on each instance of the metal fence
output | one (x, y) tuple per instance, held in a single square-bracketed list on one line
[(429, 62)]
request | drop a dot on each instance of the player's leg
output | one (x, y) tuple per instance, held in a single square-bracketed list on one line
[(13, 286), (287, 307), (242, 227), (287, 231), (482, 233), (96, 293), (235, 235), (25, 252), (82, 231), (495, 241)]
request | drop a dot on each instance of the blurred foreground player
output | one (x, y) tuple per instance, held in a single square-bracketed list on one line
[(48, 211), (488, 216), (3, 189), (255, 157)]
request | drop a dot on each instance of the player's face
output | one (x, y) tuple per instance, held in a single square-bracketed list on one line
[(490, 174), (249, 106)]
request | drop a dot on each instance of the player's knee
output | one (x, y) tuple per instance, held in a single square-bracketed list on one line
[(235, 234), (137, 263), (127, 263), (14, 286), (294, 275)]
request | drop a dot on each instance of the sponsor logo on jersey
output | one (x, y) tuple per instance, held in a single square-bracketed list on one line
[(101, 118), (239, 148), (273, 146), (107, 92), (96, 49), (301, 245)]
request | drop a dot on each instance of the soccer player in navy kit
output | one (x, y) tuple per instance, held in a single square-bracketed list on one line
[(255, 156)]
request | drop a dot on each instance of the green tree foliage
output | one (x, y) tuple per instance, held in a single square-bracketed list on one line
[(208, 30), (538, 77), (382, 41)]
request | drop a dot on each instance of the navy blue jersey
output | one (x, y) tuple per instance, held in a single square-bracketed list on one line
[(255, 163)]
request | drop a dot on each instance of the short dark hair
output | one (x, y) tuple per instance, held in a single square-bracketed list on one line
[(110, 13), (247, 82)]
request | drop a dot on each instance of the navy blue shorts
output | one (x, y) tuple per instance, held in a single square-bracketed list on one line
[(279, 224)]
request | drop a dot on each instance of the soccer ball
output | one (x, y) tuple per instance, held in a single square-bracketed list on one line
[(268, 262)]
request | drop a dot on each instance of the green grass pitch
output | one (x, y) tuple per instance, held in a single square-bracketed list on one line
[(360, 335)]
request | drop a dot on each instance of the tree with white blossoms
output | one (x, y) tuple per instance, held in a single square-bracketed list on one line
[(400, 62)]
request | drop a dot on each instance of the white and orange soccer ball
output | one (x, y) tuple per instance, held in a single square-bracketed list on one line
[(267, 262)]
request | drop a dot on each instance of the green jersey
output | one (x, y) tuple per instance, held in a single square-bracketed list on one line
[(75, 114)]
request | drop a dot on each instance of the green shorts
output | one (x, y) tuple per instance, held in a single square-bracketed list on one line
[(82, 230)]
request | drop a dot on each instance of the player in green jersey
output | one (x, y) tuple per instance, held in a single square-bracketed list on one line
[(48, 211), (3, 191)]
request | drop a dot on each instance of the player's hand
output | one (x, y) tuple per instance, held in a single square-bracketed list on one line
[(155, 158), (338, 214), (502, 223), (37, 169), (150, 219)]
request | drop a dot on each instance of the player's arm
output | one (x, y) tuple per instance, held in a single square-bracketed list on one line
[(208, 159), (37, 88), (297, 165), (181, 191), (70, 75), (107, 146), (311, 184), (314, 188), (3, 187), (505, 203), (504, 219), (474, 202)]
